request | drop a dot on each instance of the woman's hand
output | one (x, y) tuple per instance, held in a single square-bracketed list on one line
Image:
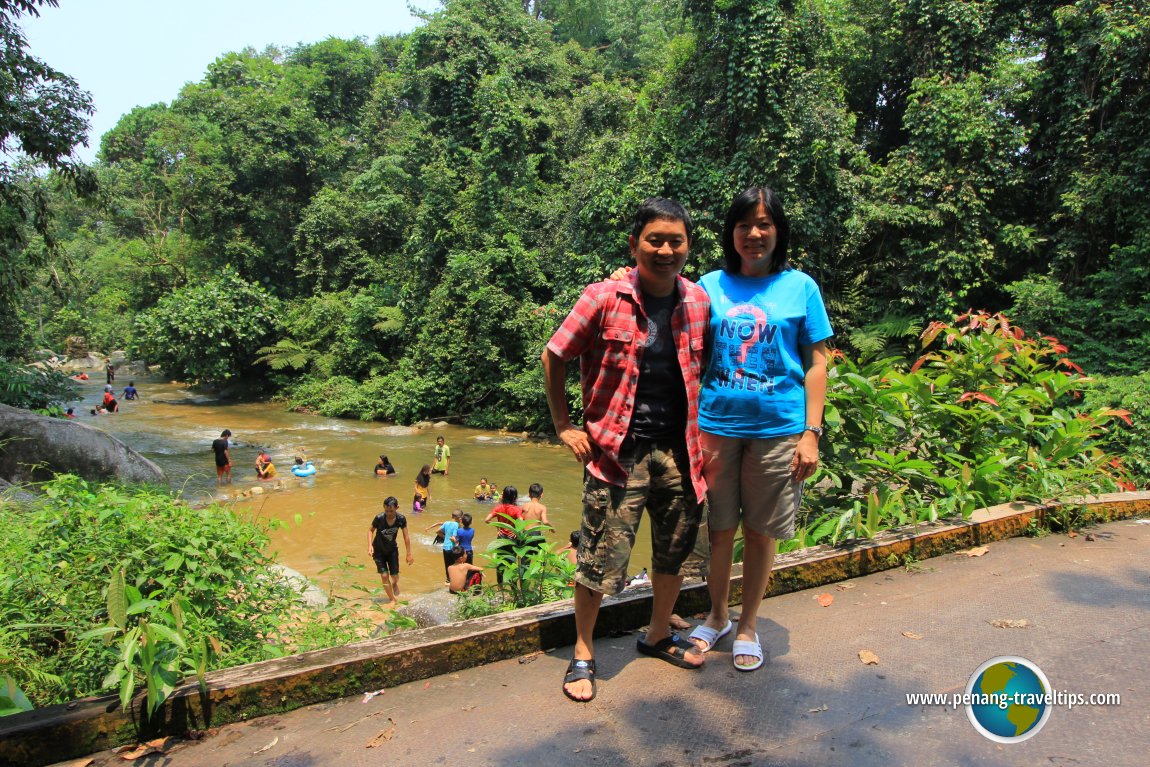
[(806, 459)]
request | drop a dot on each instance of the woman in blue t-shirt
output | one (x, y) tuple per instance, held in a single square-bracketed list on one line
[(760, 407)]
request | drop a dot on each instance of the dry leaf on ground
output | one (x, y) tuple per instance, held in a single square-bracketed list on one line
[(818, 710), (83, 761), (977, 551), (275, 740), (1011, 623), (868, 657), (157, 746), (826, 599), (1072, 534), (844, 586), (528, 658), (386, 734), (911, 635), (427, 684)]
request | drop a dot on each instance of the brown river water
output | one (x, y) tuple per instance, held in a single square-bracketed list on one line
[(327, 517)]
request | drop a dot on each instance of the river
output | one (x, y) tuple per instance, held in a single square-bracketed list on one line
[(325, 518)]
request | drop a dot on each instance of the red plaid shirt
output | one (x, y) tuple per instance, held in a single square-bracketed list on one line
[(604, 332)]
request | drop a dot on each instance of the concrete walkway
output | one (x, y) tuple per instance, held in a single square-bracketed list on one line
[(1088, 607)]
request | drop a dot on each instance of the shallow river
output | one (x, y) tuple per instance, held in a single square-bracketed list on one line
[(326, 517)]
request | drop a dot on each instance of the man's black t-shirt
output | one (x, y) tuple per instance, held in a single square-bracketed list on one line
[(220, 446), (385, 533), (660, 394)]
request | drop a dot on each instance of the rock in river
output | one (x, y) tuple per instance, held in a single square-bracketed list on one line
[(34, 447)]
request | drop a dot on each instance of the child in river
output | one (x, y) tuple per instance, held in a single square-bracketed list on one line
[(465, 535), (422, 489)]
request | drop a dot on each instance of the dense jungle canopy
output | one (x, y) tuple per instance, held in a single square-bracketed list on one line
[(392, 227)]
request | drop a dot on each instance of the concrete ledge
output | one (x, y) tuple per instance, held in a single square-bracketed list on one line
[(83, 727)]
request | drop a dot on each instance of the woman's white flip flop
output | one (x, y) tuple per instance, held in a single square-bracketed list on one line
[(747, 647), (709, 636)]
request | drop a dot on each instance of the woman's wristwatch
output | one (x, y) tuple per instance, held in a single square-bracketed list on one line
[(818, 430)]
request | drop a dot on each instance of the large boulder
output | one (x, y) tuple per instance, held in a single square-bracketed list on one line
[(89, 362), (35, 447)]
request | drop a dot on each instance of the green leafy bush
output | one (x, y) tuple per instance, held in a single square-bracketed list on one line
[(985, 415), (171, 592), (208, 332), (1130, 439), (34, 388), (532, 572)]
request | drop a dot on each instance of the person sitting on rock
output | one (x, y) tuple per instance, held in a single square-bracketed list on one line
[(462, 576)]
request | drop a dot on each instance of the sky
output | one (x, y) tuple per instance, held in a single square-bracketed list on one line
[(129, 53)]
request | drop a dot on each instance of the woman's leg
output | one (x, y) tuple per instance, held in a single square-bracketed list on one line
[(722, 458), (758, 559)]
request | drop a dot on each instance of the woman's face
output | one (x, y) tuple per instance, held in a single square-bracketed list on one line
[(755, 237)]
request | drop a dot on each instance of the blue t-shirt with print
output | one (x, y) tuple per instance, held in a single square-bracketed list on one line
[(753, 387), (450, 528)]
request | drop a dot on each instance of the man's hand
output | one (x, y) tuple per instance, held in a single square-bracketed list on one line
[(410, 559), (371, 551), (577, 440)]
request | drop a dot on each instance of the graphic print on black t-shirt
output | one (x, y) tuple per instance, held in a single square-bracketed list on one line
[(660, 395), (386, 534)]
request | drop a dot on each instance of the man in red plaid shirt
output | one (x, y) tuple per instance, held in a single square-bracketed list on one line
[(640, 342)]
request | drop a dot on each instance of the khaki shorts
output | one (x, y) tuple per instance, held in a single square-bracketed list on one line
[(749, 480), (659, 481)]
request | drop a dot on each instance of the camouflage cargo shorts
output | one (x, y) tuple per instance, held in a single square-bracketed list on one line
[(659, 482)]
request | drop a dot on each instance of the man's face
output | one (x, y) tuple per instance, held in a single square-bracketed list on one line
[(660, 251), (439, 441)]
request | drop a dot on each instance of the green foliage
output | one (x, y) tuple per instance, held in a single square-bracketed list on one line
[(532, 572), (102, 586), (468, 179), (208, 332), (1129, 398), (984, 416), (12, 698), (488, 600), (34, 388)]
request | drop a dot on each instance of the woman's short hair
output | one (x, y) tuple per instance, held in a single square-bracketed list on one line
[(745, 202), (510, 494)]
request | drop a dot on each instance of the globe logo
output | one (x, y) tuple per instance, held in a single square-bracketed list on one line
[(1010, 699)]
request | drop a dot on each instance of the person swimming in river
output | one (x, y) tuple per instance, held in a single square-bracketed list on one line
[(303, 468), (384, 467), (265, 469), (484, 491), (130, 392)]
